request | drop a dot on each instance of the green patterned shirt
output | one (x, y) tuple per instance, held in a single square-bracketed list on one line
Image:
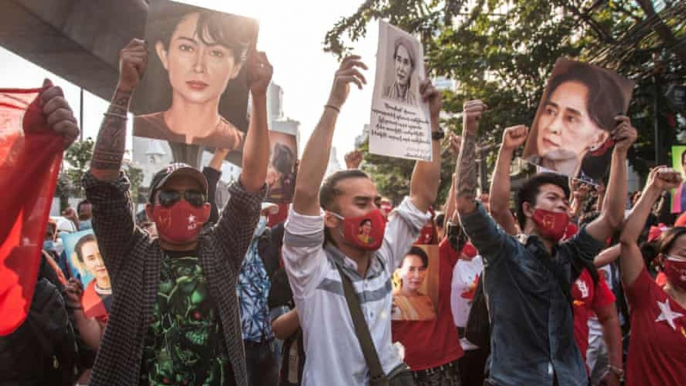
[(184, 344)]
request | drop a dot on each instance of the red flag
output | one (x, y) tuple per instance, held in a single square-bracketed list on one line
[(30, 158)]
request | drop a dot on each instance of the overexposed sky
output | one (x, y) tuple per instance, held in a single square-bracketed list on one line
[(291, 33)]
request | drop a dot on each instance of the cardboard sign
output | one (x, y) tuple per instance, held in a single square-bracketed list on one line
[(571, 133), (194, 90), (415, 289), (400, 122)]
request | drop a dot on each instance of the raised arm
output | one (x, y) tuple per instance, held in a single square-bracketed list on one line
[(426, 176), (466, 165), (111, 143), (513, 137), (213, 173), (318, 148), (256, 149), (659, 180), (612, 216)]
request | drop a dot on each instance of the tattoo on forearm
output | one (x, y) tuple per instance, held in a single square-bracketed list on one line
[(111, 143), (466, 169)]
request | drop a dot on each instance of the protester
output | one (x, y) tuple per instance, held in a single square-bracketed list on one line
[(85, 214), (177, 288), (532, 334), (317, 272), (658, 313)]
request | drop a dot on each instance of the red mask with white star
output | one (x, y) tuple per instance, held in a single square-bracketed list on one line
[(181, 222)]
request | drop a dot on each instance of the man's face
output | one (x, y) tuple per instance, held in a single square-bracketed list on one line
[(198, 73), (92, 260), (565, 123), (356, 199), (412, 273), (85, 212), (179, 183), (403, 65), (552, 198)]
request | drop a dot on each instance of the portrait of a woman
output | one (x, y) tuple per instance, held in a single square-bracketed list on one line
[(201, 52), (408, 302), (97, 296), (404, 64), (572, 130)]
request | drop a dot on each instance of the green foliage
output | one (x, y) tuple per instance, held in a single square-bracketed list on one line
[(502, 52), (77, 157), (136, 178)]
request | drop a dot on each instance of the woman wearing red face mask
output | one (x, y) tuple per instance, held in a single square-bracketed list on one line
[(658, 313)]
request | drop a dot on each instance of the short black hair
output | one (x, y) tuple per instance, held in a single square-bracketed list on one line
[(531, 188), (440, 220), (668, 238), (79, 245), (328, 192), (80, 204), (416, 251)]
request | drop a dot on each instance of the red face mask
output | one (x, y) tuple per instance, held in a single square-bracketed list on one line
[(469, 251), (551, 225), (675, 270), (181, 222), (366, 232)]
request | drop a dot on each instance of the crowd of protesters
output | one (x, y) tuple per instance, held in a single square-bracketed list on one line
[(569, 285)]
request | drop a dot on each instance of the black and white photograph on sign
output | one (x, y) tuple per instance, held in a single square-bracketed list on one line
[(194, 90), (400, 125), (571, 133)]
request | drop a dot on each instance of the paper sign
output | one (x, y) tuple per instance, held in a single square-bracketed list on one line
[(400, 125), (194, 90), (571, 133)]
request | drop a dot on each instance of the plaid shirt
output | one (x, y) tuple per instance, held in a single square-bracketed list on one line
[(133, 262)]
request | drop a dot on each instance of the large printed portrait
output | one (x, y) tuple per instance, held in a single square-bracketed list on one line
[(87, 265), (571, 133), (194, 90), (401, 78), (281, 169), (415, 284)]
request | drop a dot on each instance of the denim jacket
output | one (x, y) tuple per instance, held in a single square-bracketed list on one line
[(532, 325)]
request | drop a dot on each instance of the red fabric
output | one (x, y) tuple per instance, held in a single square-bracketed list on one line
[(657, 350), (661, 279), (433, 343), (93, 307), (29, 163), (281, 216), (655, 232), (571, 230), (588, 298), (681, 220)]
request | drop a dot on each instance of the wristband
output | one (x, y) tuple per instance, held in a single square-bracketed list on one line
[(437, 135), (115, 115), (333, 107)]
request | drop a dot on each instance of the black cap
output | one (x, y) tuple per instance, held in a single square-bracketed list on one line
[(176, 169)]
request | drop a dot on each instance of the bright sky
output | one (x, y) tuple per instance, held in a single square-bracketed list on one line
[(291, 33)]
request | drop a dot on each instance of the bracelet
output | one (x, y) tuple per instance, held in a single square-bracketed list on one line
[(333, 107), (115, 115)]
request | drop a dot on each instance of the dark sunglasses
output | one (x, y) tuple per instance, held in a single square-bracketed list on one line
[(168, 198)]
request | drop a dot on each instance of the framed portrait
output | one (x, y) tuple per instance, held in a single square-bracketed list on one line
[(571, 133), (415, 284), (195, 89)]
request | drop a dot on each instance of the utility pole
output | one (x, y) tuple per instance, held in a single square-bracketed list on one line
[(81, 114)]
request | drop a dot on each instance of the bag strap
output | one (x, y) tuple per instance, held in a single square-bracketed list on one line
[(362, 331)]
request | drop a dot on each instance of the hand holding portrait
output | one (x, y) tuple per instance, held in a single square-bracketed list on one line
[(514, 137), (433, 97), (73, 291), (347, 73), (133, 60), (260, 73), (58, 115), (624, 134)]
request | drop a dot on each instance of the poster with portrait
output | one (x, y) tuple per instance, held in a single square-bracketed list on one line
[(399, 124), (281, 169), (86, 264), (415, 284), (194, 90), (571, 133), (679, 194)]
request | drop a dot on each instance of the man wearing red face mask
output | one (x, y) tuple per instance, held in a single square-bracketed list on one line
[(527, 279), (322, 252), (174, 316)]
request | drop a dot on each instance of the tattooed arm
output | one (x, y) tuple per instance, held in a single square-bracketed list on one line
[(466, 166), (111, 143)]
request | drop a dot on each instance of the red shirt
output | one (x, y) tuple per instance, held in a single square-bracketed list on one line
[(93, 306), (587, 299), (433, 343), (657, 348)]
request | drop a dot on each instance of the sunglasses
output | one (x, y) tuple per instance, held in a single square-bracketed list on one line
[(168, 198)]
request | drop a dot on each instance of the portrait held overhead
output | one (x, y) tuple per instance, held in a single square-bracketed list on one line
[(573, 131), (281, 170), (195, 87)]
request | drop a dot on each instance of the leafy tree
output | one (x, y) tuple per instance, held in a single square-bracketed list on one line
[(502, 51), (77, 157)]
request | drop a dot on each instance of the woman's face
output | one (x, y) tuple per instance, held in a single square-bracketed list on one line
[(412, 273), (565, 125), (198, 73), (403, 65), (92, 260)]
